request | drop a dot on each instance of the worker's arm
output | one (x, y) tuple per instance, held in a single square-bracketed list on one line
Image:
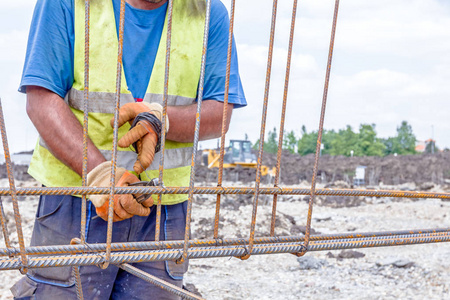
[(182, 121), (60, 129)]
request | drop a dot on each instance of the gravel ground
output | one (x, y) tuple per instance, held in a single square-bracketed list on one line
[(404, 272)]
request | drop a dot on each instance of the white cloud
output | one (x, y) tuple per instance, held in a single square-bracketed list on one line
[(390, 64)]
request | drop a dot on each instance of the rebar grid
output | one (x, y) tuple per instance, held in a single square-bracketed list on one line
[(164, 116), (187, 230), (283, 117), (224, 118), (121, 254), (319, 135)]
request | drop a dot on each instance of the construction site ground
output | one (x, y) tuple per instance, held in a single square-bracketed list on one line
[(405, 272)]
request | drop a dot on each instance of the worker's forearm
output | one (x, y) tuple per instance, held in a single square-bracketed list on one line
[(60, 129), (182, 121)]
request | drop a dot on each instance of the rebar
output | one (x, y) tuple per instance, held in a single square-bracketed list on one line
[(222, 190), (158, 282), (283, 116), (197, 131), (221, 251), (135, 246), (12, 188), (80, 253), (263, 130), (224, 119), (164, 116), (85, 116), (3, 224), (115, 136), (319, 135)]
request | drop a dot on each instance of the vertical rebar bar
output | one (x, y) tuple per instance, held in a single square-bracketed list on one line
[(319, 135), (78, 285), (4, 226), (115, 135), (224, 118), (262, 133), (164, 116), (86, 116), (283, 116), (12, 188), (197, 130)]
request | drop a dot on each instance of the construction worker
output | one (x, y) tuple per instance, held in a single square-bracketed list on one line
[(53, 79)]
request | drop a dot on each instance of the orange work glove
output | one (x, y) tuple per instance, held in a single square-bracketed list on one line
[(143, 134), (125, 205)]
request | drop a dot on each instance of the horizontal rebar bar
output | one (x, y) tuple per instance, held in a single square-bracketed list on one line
[(159, 282), (223, 191), (223, 251), (134, 246)]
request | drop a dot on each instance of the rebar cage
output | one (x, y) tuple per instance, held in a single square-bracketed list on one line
[(80, 253)]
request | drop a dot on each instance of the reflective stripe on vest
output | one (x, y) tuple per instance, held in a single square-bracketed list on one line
[(105, 102), (185, 61)]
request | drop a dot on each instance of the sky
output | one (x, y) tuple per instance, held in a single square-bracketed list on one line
[(391, 63)]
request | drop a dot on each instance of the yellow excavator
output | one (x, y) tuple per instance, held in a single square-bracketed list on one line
[(239, 153)]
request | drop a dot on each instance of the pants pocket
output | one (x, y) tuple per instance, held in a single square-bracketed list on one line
[(57, 222), (174, 228), (25, 288)]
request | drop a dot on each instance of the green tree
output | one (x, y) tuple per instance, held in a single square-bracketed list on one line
[(345, 141), (369, 144), (290, 141), (271, 146), (307, 143), (405, 140), (403, 143)]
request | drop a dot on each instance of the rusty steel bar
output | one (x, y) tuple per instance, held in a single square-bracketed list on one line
[(12, 188), (283, 116), (220, 251), (158, 282), (319, 135), (223, 191), (224, 118), (197, 131), (78, 285), (135, 246), (4, 226), (85, 117), (115, 136), (164, 116), (263, 130)]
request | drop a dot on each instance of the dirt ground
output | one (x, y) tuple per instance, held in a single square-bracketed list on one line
[(389, 170), (402, 272)]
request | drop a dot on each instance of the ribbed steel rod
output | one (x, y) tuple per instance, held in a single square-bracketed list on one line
[(263, 129), (159, 282), (319, 135), (224, 118), (222, 251), (85, 116), (221, 190), (135, 246), (12, 188), (197, 130), (115, 134), (78, 285), (4, 226), (283, 117), (164, 116)]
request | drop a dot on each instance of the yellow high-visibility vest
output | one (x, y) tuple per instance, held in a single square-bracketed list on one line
[(188, 22)]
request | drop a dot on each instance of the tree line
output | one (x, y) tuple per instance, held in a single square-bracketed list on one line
[(347, 142)]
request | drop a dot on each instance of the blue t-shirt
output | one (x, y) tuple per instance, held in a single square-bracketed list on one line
[(49, 58)]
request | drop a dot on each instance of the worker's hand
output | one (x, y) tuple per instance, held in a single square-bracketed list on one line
[(125, 205), (143, 134)]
